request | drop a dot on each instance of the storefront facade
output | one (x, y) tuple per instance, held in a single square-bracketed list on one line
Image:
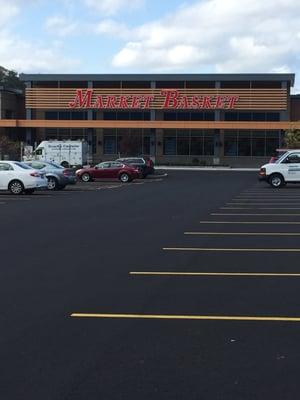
[(228, 119)]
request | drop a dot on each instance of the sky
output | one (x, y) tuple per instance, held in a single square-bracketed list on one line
[(150, 36)]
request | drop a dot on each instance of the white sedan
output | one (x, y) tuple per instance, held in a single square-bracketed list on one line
[(20, 178)]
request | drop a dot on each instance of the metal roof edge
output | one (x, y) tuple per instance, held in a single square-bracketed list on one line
[(159, 77)]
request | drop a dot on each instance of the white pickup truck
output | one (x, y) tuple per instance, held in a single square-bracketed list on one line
[(285, 170)]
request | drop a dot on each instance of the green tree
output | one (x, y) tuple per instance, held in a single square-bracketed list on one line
[(292, 138), (9, 148), (10, 79)]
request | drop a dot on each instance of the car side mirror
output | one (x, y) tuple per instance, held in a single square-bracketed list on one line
[(95, 167)]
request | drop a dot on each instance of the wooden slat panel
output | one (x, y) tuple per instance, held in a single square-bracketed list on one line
[(249, 99), (149, 124)]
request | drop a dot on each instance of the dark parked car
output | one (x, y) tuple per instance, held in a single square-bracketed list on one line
[(109, 170), (144, 164)]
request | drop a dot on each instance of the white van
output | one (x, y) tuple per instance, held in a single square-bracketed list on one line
[(285, 170), (67, 153)]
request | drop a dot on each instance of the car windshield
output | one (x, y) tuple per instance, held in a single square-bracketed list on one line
[(21, 165), (281, 157)]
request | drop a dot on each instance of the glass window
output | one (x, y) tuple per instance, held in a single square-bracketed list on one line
[(235, 84), (104, 165), (258, 143), (208, 145), (293, 158), (21, 165), (109, 115), (200, 84), (273, 116), (39, 151), (265, 84), (64, 115), (197, 145), (230, 144), (170, 116), (146, 145), (259, 116), (51, 115), (169, 84), (36, 165), (245, 116), (183, 143), (110, 144), (5, 167), (197, 116), (244, 143), (183, 116), (272, 142), (209, 116), (170, 143), (231, 116)]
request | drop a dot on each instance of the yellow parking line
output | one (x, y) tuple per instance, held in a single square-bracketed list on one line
[(243, 233), (254, 250), (251, 222), (226, 274), (189, 317)]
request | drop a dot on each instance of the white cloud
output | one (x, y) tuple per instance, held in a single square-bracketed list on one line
[(217, 36), (60, 26), (8, 11), (111, 7), (23, 56), (112, 28)]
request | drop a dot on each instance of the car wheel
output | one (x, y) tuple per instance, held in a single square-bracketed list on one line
[(29, 191), (85, 177), (16, 187), (124, 178), (52, 183), (276, 180), (65, 164)]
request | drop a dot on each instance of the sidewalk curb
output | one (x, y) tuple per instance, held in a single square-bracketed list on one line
[(227, 169)]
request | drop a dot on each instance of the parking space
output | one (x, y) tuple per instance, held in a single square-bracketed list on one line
[(153, 278), (79, 187)]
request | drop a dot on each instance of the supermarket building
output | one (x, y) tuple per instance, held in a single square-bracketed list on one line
[(200, 119)]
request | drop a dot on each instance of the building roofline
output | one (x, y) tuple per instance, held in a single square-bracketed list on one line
[(158, 77)]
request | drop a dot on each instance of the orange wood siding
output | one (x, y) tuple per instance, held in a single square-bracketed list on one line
[(249, 99), (41, 123)]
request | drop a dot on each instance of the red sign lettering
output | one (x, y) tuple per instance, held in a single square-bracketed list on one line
[(169, 98), (82, 101)]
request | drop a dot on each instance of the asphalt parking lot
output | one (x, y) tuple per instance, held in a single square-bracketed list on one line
[(182, 287)]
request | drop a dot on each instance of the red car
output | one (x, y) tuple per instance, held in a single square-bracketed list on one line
[(109, 170)]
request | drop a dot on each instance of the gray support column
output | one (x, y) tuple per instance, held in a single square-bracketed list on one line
[(153, 131), (285, 115), (90, 131), (218, 134), (28, 136)]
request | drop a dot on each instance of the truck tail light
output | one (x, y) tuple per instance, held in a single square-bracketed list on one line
[(262, 172)]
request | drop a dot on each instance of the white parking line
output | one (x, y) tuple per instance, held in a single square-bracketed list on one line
[(261, 215), (260, 208), (252, 222)]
